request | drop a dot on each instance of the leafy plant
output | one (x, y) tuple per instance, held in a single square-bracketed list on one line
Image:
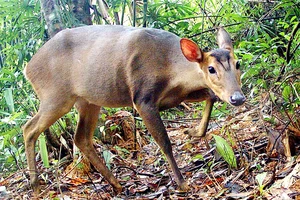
[(20, 36), (107, 158), (43, 150), (225, 151), (260, 178)]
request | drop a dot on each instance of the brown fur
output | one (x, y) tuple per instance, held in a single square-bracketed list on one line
[(117, 66)]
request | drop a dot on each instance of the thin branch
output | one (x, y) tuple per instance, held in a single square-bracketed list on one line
[(134, 12), (192, 17), (289, 55), (213, 29), (145, 6), (234, 24), (288, 49), (294, 51)]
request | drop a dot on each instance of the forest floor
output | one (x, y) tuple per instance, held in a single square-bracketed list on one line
[(265, 169)]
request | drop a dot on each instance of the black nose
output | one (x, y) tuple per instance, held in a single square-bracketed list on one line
[(237, 99)]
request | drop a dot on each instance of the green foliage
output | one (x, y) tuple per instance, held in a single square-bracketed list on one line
[(107, 155), (198, 157), (260, 178), (124, 153), (21, 34), (43, 150), (225, 151), (9, 100)]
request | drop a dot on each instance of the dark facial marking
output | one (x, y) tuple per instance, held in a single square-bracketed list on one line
[(221, 55)]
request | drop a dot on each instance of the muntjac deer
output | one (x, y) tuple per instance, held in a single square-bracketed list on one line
[(118, 66)]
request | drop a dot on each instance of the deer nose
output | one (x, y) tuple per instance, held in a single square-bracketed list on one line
[(237, 99)]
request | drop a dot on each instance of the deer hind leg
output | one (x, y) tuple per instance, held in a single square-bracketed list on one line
[(48, 113), (88, 118)]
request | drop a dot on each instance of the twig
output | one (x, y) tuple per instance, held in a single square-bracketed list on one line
[(294, 51), (288, 49), (234, 24), (192, 17), (291, 120), (289, 55), (213, 29), (95, 187), (134, 171)]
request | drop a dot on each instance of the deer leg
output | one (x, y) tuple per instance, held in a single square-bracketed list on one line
[(154, 124), (48, 113), (205, 118), (88, 118), (211, 98)]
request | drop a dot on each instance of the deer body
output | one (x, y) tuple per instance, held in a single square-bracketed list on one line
[(108, 65), (118, 66)]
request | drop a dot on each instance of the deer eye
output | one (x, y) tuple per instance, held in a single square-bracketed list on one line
[(237, 65), (211, 70)]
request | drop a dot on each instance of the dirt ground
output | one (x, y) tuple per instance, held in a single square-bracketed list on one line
[(267, 167)]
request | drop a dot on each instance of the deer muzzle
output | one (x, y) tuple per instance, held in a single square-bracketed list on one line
[(237, 98)]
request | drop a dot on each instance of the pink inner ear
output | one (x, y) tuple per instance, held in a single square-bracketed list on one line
[(190, 50), (194, 54)]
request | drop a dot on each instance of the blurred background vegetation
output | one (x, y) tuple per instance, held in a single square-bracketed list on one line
[(265, 33)]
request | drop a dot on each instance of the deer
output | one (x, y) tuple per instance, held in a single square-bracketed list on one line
[(117, 66)]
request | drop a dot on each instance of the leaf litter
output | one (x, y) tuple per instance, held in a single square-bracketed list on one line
[(268, 166)]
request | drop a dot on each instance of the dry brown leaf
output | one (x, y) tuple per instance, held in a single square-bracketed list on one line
[(79, 168), (283, 187)]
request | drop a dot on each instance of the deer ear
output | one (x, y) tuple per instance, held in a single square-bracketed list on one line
[(224, 40), (190, 50)]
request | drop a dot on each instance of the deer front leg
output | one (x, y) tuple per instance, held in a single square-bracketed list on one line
[(210, 98), (154, 124), (205, 118)]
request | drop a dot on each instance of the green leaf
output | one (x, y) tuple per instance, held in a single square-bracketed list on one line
[(11, 132), (287, 90), (225, 150), (198, 157), (43, 150), (235, 16), (260, 179), (9, 99), (107, 158)]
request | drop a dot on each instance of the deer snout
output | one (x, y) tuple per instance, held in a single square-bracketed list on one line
[(237, 98)]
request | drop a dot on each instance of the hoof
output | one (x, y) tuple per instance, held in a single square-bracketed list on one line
[(184, 187), (195, 132), (36, 188), (118, 189)]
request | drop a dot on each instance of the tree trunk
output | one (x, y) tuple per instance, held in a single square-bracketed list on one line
[(81, 11), (51, 11), (52, 17)]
